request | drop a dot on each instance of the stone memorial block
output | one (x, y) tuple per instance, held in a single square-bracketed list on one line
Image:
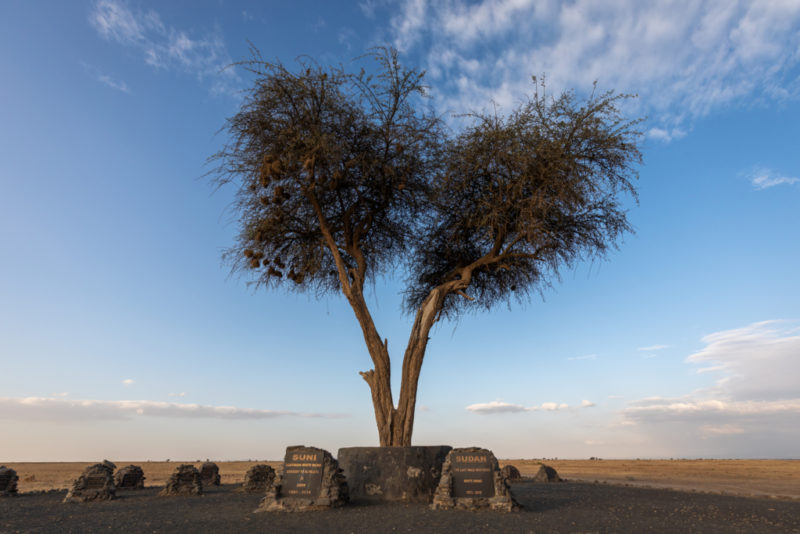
[(310, 480), (96, 483), (129, 477), (511, 473), (209, 472), (407, 474), (8, 481), (546, 474), (471, 480), (184, 481), (258, 478)]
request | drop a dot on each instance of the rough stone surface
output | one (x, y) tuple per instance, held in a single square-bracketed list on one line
[(408, 474), (546, 474), (96, 483), (444, 499), (184, 481), (209, 472), (8, 481), (129, 477), (511, 473), (333, 491), (258, 478)]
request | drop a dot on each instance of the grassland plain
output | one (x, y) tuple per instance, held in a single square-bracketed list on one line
[(778, 479)]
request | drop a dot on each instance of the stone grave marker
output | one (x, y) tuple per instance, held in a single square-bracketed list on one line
[(96, 483), (8, 481), (257, 479), (129, 477), (310, 480), (471, 480), (209, 472), (183, 482)]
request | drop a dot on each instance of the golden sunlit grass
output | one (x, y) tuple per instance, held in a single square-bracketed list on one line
[(762, 478)]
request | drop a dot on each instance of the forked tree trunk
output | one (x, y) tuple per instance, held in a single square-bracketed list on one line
[(396, 423)]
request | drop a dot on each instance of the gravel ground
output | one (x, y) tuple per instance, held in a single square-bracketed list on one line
[(566, 507)]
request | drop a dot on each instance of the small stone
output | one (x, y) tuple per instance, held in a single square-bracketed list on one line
[(183, 482), (129, 477), (511, 473), (8, 481), (209, 472), (258, 478), (96, 483), (546, 474)]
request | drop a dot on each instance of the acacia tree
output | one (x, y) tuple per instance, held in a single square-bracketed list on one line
[(342, 177)]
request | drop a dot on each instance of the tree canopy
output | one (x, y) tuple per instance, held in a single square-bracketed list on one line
[(343, 176)]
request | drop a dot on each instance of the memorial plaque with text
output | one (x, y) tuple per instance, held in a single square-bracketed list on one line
[(473, 476), (302, 474)]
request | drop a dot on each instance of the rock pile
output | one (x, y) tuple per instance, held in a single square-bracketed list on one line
[(209, 472), (129, 477), (8, 481), (546, 474), (471, 480), (96, 483), (511, 473), (258, 478), (310, 480), (184, 481)]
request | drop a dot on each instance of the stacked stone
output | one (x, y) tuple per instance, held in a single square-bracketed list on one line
[(209, 472), (129, 477), (183, 482), (333, 490), (511, 473), (546, 474), (444, 499), (96, 483), (8, 481), (258, 478)]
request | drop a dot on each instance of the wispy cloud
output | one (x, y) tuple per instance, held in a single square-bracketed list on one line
[(653, 348), (496, 407), (129, 381), (52, 409), (762, 178), (682, 62), (164, 46), (181, 394), (586, 357)]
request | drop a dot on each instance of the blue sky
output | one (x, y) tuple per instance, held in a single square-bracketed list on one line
[(123, 336)]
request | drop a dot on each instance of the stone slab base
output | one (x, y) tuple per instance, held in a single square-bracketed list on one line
[(408, 474)]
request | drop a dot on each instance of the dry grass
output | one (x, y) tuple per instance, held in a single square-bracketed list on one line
[(763, 478)]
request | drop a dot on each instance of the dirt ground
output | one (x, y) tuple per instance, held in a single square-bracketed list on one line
[(570, 507), (750, 478)]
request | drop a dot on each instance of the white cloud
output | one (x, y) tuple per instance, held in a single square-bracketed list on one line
[(587, 404), (755, 399), (653, 348), (164, 46), (553, 406), (683, 62), (114, 84), (762, 178), (181, 394), (586, 357), (128, 381), (51, 409), (495, 407)]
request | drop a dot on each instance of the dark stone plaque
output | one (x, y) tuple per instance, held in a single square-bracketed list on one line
[(302, 473), (473, 475)]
